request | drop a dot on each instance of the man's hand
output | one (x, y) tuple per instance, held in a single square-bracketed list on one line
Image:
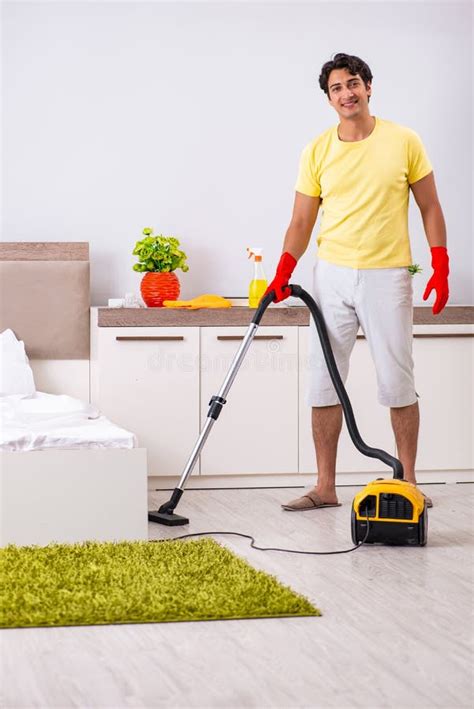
[(439, 279), (285, 268)]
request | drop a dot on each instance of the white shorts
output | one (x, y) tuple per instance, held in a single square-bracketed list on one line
[(380, 301)]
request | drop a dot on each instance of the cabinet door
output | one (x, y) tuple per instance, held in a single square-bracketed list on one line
[(257, 431), (148, 383), (373, 420), (443, 375)]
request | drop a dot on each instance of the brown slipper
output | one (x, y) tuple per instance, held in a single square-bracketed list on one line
[(428, 500), (310, 501)]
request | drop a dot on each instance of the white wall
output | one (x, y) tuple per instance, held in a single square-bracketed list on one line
[(190, 118)]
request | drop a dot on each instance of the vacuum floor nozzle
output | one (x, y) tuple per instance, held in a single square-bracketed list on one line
[(168, 518)]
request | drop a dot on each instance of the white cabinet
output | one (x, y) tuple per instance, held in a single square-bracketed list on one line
[(158, 381), (146, 379), (373, 420), (257, 431), (443, 375)]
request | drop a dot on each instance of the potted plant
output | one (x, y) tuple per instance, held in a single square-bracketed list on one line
[(158, 257), (414, 268)]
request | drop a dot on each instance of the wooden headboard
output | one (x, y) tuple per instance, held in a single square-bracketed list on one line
[(45, 300)]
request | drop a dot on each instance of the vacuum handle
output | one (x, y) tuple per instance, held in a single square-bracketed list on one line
[(263, 305), (269, 298)]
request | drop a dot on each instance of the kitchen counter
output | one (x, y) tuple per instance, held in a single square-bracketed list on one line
[(279, 315)]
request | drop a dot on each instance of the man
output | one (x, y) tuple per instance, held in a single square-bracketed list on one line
[(360, 172)]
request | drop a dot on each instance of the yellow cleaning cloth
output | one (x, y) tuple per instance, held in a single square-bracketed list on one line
[(202, 301)]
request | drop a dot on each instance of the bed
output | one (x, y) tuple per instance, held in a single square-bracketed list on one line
[(67, 473)]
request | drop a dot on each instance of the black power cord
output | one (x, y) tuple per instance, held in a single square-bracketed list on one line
[(254, 546)]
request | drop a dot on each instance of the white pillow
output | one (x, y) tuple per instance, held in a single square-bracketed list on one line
[(16, 375)]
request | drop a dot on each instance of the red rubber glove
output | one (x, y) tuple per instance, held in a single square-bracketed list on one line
[(439, 279), (285, 268)]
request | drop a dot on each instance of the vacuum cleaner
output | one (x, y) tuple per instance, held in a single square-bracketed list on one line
[(386, 511)]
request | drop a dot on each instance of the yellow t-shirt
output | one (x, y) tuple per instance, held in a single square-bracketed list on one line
[(364, 188)]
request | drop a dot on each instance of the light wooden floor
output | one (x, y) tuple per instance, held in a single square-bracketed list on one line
[(396, 631)]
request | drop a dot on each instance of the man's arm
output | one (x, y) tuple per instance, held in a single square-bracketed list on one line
[(435, 230), (305, 213), (427, 200)]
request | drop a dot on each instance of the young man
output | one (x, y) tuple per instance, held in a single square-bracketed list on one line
[(360, 172)]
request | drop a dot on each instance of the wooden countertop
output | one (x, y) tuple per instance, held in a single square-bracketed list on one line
[(241, 316)]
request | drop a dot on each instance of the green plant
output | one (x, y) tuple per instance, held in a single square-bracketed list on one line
[(159, 254), (414, 268)]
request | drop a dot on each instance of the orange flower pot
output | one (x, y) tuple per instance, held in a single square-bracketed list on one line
[(157, 287)]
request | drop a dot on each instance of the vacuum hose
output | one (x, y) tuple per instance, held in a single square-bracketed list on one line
[(382, 455)]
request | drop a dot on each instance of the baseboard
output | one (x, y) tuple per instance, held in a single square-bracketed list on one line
[(301, 480)]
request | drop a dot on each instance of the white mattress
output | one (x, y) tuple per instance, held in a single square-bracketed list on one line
[(42, 421)]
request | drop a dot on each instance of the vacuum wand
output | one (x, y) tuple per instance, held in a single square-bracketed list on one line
[(165, 514)]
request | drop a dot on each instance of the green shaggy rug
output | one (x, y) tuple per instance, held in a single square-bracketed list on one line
[(137, 582)]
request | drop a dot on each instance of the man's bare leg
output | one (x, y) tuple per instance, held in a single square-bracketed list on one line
[(327, 424), (406, 424)]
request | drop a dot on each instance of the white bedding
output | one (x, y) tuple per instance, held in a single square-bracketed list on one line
[(42, 421)]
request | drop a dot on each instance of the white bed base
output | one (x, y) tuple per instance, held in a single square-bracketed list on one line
[(73, 496)]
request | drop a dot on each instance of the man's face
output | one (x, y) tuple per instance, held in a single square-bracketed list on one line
[(348, 94)]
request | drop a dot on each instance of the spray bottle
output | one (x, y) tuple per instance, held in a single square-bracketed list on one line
[(258, 284)]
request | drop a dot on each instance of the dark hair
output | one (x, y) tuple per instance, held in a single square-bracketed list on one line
[(353, 64)]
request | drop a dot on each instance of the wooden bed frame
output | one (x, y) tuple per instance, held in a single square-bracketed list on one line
[(62, 495)]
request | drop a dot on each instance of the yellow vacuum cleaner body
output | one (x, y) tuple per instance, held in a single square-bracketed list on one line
[(395, 512)]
